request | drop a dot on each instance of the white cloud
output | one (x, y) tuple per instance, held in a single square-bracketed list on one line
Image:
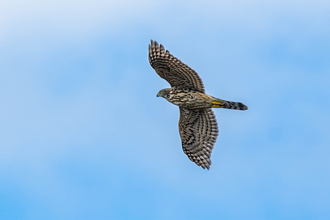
[(41, 128), (71, 17), (77, 17)]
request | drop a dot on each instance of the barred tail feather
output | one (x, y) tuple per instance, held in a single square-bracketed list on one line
[(219, 103)]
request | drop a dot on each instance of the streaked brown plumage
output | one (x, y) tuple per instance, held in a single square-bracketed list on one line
[(197, 125)]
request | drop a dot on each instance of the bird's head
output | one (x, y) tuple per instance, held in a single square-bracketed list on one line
[(165, 93)]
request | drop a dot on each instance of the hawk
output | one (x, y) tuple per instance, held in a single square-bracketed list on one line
[(198, 127)]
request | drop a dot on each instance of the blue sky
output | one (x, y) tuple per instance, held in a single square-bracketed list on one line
[(83, 135)]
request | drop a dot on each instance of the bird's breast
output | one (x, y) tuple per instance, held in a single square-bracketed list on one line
[(190, 100)]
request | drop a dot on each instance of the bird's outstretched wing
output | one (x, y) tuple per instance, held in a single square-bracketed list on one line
[(172, 69), (198, 129)]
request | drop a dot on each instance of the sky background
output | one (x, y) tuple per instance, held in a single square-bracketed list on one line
[(83, 136)]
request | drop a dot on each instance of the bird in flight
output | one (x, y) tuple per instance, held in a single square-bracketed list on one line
[(198, 127)]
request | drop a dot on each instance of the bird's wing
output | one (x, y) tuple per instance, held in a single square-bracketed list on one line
[(198, 129), (172, 69)]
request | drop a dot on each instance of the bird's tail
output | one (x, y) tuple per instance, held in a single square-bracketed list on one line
[(219, 103)]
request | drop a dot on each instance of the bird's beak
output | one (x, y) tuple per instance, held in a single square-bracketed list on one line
[(157, 94)]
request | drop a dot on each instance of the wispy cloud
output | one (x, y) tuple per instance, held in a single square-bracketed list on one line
[(83, 135)]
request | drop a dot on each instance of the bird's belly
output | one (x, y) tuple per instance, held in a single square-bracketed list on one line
[(191, 100)]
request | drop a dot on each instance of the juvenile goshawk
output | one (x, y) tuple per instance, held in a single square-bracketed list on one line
[(197, 125)]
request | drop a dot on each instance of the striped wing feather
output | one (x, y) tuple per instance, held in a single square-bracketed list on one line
[(198, 130), (172, 69)]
